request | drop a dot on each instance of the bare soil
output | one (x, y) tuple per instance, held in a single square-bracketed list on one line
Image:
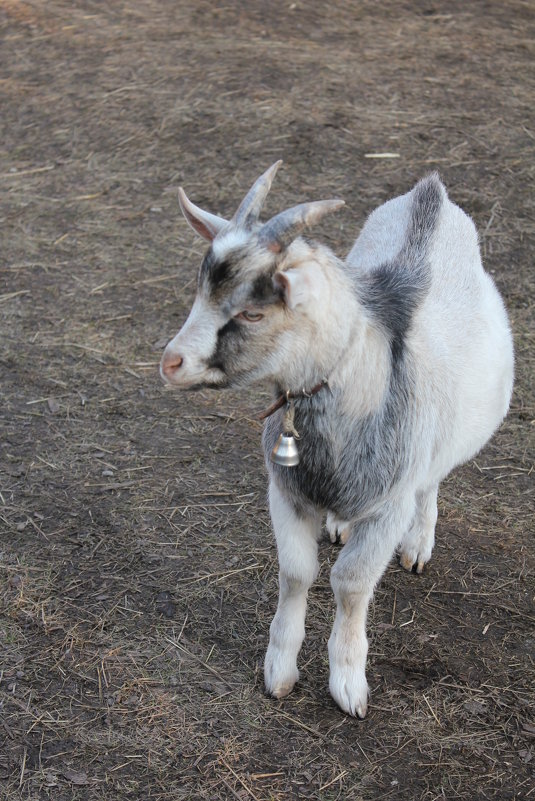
[(138, 574)]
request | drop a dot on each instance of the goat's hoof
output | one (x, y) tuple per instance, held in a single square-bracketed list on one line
[(350, 691), (280, 675), (411, 563), (339, 530), (282, 690)]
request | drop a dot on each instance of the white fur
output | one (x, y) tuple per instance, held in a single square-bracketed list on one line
[(229, 239), (194, 343), (303, 285), (297, 549), (460, 349)]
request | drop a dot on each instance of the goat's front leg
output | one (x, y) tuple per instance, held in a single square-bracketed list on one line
[(353, 578), (297, 546)]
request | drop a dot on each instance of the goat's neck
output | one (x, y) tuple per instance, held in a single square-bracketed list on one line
[(343, 346), (362, 376), (322, 330)]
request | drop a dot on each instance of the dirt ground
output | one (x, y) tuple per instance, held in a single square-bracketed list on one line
[(138, 574)]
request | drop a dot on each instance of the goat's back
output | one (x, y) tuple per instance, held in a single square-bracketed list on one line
[(459, 338)]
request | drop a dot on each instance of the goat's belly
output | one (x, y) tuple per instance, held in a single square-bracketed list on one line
[(484, 393)]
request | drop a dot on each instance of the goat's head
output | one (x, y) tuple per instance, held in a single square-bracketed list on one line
[(258, 283)]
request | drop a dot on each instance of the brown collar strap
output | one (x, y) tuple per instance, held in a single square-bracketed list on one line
[(287, 396)]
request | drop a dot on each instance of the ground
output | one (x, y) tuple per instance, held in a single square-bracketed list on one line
[(138, 573)]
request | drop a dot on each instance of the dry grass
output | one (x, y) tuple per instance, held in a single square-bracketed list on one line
[(138, 573)]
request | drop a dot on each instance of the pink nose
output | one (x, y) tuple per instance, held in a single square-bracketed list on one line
[(171, 362)]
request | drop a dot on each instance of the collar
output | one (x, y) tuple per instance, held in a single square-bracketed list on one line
[(287, 396)]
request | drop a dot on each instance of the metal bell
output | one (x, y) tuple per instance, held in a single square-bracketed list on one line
[(285, 451)]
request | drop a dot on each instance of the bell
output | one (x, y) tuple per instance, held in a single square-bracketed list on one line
[(285, 451)]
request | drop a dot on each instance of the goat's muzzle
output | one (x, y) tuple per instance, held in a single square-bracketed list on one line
[(170, 363)]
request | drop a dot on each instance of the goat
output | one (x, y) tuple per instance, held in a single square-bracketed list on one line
[(396, 365)]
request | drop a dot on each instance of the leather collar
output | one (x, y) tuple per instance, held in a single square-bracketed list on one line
[(287, 396)]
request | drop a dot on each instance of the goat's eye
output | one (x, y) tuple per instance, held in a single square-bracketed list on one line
[(251, 317)]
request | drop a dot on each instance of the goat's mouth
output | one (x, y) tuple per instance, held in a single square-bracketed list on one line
[(205, 379)]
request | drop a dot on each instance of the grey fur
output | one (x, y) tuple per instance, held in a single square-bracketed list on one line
[(392, 291), (346, 465)]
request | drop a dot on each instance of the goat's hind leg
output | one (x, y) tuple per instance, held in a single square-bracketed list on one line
[(418, 541), (297, 546), (339, 530)]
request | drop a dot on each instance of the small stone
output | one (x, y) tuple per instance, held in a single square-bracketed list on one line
[(165, 605), (78, 777), (476, 707), (51, 780), (15, 470)]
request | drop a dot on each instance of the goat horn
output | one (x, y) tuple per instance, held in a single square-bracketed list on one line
[(206, 224), (282, 229), (251, 206)]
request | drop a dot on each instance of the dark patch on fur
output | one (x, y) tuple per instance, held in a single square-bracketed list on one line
[(230, 340), (262, 290), (346, 465), (221, 277), (392, 291), (426, 203), (217, 273)]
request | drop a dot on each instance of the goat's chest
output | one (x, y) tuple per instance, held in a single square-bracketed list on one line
[(345, 465), (331, 470)]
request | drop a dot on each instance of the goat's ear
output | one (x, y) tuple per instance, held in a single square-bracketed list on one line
[(296, 286), (206, 224)]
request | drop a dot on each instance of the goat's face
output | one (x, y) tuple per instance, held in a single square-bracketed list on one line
[(253, 316), (258, 295)]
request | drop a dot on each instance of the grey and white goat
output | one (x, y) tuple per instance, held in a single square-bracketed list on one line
[(400, 364)]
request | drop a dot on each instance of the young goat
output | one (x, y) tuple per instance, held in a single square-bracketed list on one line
[(397, 365)]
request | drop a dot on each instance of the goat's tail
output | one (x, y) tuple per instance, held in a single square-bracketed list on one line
[(427, 198)]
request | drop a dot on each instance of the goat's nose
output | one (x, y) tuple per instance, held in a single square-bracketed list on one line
[(171, 362)]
